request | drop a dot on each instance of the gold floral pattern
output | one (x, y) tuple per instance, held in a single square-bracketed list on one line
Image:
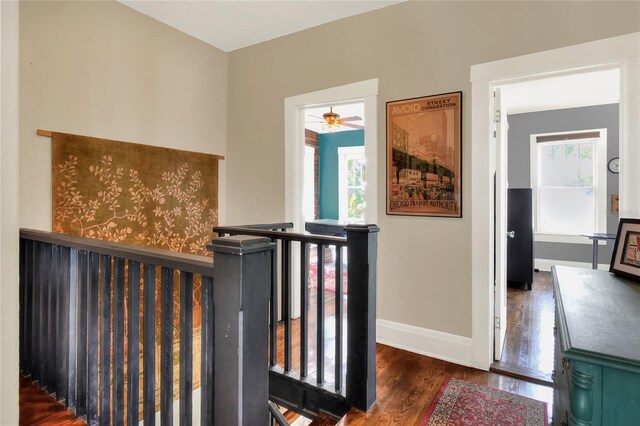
[(137, 194)]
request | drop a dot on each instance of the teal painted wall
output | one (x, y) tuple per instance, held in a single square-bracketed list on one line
[(328, 173)]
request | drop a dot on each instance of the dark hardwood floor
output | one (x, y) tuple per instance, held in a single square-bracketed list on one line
[(528, 348), (407, 383)]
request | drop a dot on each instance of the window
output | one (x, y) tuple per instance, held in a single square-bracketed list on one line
[(308, 196), (568, 176), (352, 184)]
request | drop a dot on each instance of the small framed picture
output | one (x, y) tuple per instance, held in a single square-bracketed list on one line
[(626, 252)]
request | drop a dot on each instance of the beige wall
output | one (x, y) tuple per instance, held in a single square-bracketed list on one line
[(415, 49), (9, 213), (105, 70)]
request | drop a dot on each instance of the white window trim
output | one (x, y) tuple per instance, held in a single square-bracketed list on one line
[(343, 153), (600, 189)]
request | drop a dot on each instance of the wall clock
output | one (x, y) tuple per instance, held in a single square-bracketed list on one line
[(614, 165)]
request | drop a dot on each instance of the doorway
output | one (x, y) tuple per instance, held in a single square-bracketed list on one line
[(554, 136), (365, 92), (618, 52), (336, 133)]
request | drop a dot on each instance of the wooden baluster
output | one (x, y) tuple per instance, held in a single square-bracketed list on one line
[(207, 408), (72, 328), (83, 303), (149, 356), (46, 341), (105, 340), (276, 416), (30, 305), (43, 317), (93, 337), (133, 345), (62, 342), (166, 347), (273, 310), (118, 342), (23, 303), (52, 325), (186, 348), (286, 302), (45, 305), (320, 318), (304, 310), (36, 311), (338, 319)]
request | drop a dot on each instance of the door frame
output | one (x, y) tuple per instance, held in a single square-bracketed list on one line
[(499, 146), (364, 91), (617, 52)]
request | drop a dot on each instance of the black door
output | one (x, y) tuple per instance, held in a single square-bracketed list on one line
[(520, 239)]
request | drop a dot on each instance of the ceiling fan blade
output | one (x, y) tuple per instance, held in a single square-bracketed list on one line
[(315, 116), (352, 118), (355, 126)]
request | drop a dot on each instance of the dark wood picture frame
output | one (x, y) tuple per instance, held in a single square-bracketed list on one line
[(625, 261), (424, 156)]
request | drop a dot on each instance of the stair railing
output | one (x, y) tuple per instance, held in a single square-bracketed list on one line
[(309, 389), (83, 303)]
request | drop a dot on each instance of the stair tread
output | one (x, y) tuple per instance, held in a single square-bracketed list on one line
[(323, 420)]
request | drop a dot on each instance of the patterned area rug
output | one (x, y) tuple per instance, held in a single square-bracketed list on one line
[(464, 403), (329, 271)]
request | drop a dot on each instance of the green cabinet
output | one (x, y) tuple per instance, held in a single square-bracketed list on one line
[(597, 348)]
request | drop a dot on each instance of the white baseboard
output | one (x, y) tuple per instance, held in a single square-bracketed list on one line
[(546, 264), (436, 344)]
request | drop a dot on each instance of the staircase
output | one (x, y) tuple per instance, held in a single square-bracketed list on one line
[(90, 308)]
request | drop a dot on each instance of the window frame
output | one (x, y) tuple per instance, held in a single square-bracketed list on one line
[(344, 153), (599, 187)]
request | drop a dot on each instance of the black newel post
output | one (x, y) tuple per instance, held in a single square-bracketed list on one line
[(361, 310), (241, 278)]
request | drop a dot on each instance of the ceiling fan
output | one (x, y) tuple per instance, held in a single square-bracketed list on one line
[(332, 120)]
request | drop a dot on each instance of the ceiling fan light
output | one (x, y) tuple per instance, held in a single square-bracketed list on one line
[(331, 117), (330, 127)]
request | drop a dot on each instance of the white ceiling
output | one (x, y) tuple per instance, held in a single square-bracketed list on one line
[(313, 117), (567, 91), (231, 25)]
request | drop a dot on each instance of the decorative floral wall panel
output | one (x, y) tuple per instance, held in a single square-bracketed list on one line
[(132, 193)]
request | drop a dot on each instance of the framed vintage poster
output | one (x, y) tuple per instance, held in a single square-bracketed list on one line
[(626, 251), (424, 156)]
